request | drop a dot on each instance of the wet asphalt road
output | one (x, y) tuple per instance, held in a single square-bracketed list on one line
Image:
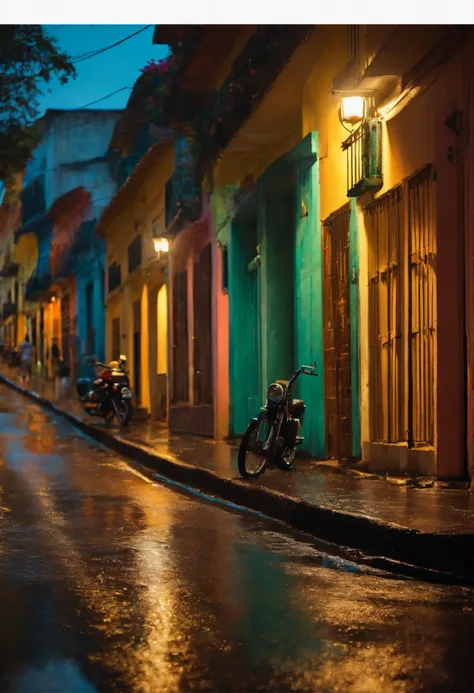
[(111, 581)]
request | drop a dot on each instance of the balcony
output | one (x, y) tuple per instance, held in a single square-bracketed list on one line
[(9, 309), (364, 159)]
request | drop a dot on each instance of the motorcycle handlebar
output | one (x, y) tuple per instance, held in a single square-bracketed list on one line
[(305, 370)]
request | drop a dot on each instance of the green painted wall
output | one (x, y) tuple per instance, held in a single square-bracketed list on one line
[(308, 296), (245, 379), (276, 223), (354, 312), (275, 312)]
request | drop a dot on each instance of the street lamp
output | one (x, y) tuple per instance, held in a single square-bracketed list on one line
[(162, 245), (353, 109)]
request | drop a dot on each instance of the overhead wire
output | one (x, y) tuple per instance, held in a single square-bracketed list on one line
[(92, 54), (103, 98)]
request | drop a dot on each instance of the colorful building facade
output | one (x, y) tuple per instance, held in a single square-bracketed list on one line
[(66, 185), (333, 251), (136, 283)]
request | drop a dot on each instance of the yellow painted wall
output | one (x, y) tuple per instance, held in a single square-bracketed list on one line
[(146, 367), (162, 331), (143, 214), (411, 138), (26, 255)]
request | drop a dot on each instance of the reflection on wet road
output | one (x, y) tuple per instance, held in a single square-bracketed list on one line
[(109, 581)]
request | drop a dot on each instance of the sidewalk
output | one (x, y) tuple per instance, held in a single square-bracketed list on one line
[(422, 532)]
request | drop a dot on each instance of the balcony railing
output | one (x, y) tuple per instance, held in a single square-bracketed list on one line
[(364, 159), (9, 309)]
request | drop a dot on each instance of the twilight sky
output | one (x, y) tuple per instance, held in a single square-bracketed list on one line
[(105, 73)]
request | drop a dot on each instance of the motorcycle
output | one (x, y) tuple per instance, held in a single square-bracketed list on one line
[(108, 395), (272, 437)]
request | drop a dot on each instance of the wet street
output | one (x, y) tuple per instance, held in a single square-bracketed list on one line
[(110, 580)]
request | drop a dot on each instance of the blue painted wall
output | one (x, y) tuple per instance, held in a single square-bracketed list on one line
[(91, 272)]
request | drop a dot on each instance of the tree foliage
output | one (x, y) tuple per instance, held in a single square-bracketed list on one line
[(29, 59)]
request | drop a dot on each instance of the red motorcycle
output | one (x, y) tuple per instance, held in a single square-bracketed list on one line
[(109, 395)]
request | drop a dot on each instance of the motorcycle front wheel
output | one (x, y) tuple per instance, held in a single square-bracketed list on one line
[(123, 411), (252, 459)]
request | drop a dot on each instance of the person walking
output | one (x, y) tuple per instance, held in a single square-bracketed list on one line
[(26, 359), (55, 365), (63, 381)]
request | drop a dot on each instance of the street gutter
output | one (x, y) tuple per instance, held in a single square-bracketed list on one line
[(446, 558)]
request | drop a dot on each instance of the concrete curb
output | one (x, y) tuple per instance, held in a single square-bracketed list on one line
[(442, 558)]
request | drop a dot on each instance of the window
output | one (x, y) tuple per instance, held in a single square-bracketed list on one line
[(114, 276), (135, 254), (225, 270)]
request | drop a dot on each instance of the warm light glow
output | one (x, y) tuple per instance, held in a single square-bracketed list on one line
[(53, 298), (352, 109), (162, 327), (161, 245)]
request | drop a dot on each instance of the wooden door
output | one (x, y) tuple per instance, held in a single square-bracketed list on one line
[(421, 310), (384, 224), (202, 282), (337, 364), (180, 390)]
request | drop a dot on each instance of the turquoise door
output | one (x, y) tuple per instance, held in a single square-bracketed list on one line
[(308, 298), (245, 379)]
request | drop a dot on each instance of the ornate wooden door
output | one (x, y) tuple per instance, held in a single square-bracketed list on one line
[(337, 364)]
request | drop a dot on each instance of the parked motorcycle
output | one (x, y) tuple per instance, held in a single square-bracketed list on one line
[(109, 395), (273, 437)]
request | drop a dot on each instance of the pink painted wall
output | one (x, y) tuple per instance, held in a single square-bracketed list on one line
[(221, 347)]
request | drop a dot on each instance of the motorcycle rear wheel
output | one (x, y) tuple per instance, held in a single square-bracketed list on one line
[(253, 459)]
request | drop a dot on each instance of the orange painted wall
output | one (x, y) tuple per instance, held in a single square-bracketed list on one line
[(413, 138)]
